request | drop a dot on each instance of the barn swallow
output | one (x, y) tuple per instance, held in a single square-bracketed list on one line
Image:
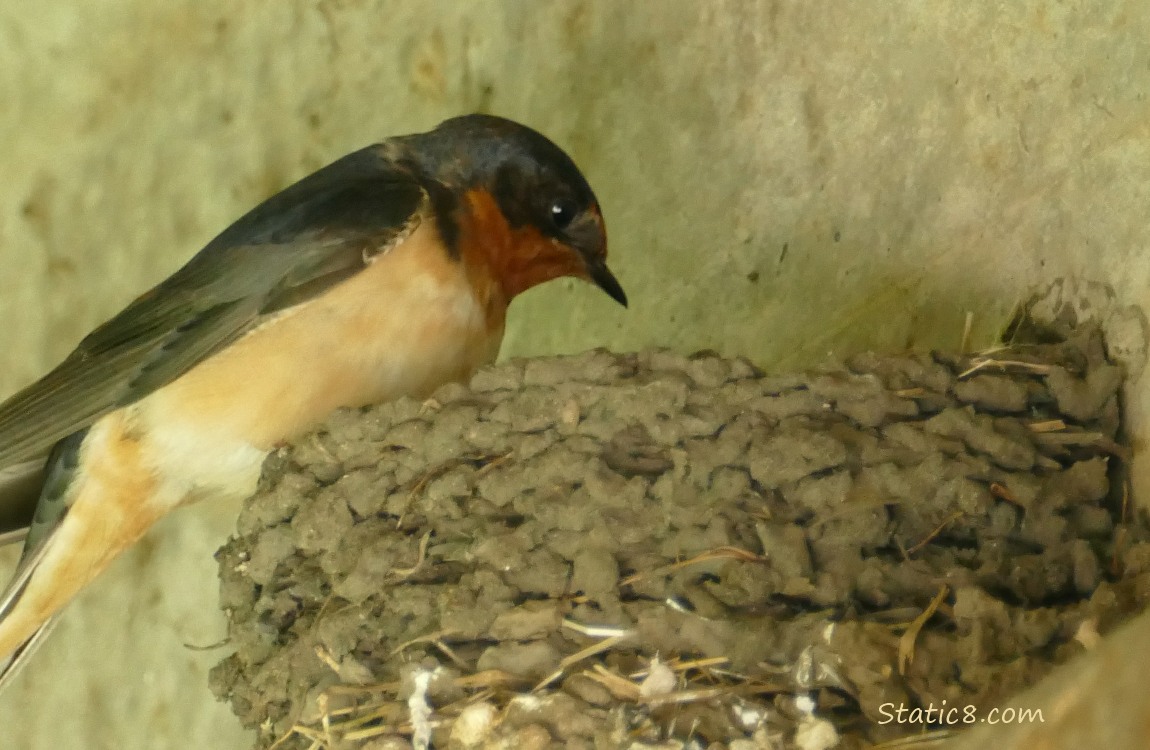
[(384, 274)]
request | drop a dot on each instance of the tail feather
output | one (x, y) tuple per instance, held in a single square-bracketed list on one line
[(10, 666), (22, 632), (85, 518), (19, 583), (20, 487), (20, 651), (13, 537)]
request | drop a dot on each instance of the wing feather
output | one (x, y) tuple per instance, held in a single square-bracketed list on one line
[(292, 247)]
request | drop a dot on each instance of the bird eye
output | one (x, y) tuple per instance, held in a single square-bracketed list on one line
[(563, 213)]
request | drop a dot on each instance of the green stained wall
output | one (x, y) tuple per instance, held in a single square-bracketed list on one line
[(781, 179)]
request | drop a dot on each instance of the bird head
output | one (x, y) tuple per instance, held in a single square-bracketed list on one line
[(507, 188)]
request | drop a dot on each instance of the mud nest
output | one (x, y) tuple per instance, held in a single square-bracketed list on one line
[(650, 550)]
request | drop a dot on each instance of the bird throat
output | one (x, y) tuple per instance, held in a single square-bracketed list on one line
[(502, 260)]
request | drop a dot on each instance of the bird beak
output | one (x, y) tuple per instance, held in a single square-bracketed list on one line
[(589, 240), (602, 277)]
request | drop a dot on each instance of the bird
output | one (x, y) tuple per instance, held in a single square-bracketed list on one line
[(386, 273)]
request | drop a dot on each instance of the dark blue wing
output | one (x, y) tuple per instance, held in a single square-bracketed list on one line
[(293, 246)]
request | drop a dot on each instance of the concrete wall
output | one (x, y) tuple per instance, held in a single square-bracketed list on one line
[(781, 179)]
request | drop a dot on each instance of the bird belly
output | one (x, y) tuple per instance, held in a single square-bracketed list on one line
[(402, 327), (407, 324)]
